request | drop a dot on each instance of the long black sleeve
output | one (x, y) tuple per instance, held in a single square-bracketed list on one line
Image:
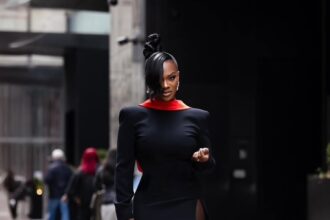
[(204, 141), (73, 186), (124, 167), (98, 180)]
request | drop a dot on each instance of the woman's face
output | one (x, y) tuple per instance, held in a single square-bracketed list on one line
[(170, 81)]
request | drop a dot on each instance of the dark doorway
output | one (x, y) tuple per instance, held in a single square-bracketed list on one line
[(255, 67)]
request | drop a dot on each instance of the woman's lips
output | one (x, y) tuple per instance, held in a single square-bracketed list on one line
[(168, 93)]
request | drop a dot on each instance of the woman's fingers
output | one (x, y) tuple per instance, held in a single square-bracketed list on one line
[(202, 155), (195, 155), (204, 151)]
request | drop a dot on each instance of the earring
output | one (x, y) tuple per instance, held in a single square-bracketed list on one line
[(177, 88), (148, 90)]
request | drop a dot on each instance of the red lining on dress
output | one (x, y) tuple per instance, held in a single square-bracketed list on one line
[(174, 105)]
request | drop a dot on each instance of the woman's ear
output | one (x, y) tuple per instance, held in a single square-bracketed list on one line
[(177, 88)]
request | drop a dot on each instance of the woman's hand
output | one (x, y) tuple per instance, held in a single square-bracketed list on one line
[(202, 155)]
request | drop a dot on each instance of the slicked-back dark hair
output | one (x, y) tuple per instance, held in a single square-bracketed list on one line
[(154, 64)]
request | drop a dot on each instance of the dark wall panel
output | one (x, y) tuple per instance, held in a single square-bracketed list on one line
[(87, 103)]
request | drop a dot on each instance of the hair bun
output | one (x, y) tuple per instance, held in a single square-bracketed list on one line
[(152, 45)]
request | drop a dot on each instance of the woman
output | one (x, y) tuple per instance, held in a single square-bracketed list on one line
[(104, 182), (81, 186), (170, 142)]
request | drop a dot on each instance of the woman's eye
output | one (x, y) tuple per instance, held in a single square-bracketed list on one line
[(172, 77)]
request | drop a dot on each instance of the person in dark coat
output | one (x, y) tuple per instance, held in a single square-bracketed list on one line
[(104, 183), (81, 186), (169, 141), (12, 187), (57, 179)]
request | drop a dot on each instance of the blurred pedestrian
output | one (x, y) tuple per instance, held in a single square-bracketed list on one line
[(104, 184), (81, 186), (57, 178), (170, 142), (12, 186)]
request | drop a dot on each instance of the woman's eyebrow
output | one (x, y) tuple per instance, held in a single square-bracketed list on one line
[(172, 73)]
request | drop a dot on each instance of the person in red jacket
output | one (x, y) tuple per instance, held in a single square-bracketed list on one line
[(81, 186)]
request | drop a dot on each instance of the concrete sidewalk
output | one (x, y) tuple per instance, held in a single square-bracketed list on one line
[(4, 211)]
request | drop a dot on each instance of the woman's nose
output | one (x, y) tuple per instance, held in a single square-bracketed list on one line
[(164, 84)]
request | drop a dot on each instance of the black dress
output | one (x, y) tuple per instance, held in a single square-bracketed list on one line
[(163, 143)]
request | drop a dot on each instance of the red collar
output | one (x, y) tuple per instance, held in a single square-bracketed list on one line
[(174, 105)]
